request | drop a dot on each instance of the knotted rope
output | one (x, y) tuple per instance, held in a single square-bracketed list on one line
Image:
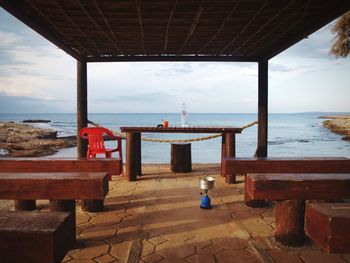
[(123, 135)]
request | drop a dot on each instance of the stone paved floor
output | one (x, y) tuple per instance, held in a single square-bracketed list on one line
[(158, 219)]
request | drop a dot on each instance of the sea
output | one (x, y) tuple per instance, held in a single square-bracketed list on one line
[(289, 135)]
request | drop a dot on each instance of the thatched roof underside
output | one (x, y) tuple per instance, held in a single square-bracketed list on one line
[(133, 30)]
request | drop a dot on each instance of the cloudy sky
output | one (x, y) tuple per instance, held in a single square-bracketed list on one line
[(37, 77)]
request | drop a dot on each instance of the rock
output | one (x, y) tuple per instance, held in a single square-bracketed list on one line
[(36, 121), (22, 140), (339, 125)]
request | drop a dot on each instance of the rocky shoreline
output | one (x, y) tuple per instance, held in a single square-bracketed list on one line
[(339, 124), (23, 140)]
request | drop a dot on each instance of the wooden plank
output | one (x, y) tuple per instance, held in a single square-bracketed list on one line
[(287, 165), (35, 237), (276, 187), (53, 185), (112, 166)]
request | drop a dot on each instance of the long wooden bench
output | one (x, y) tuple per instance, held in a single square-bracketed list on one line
[(34, 237), (244, 165), (112, 166), (291, 191)]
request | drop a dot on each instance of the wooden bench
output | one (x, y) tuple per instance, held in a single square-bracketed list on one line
[(62, 189), (244, 165), (113, 166), (327, 224), (291, 191), (35, 237)]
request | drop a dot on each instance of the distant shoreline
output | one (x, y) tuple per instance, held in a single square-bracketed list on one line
[(339, 124)]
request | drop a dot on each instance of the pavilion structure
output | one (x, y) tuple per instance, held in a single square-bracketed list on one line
[(175, 30)]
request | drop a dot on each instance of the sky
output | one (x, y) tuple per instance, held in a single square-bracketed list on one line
[(38, 77)]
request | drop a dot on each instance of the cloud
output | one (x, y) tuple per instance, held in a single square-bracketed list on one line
[(22, 104)]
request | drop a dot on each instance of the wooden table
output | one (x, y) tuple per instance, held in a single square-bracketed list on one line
[(133, 144)]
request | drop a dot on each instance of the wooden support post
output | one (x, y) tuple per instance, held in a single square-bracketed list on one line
[(181, 159), (64, 206), (81, 106), (228, 149), (93, 205), (25, 205), (133, 155), (261, 150), (290, 222), (262, 109)]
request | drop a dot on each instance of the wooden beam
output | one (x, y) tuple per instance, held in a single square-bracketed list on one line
[(209, 58), (82, 119), (261, 150), (327, 18), (20, 14), (271, 35), (245, 27), (116, 45), (220, 28), (272, 18), (168, 25), (193, 26), (75, 24), (139, 16), (109, 27)]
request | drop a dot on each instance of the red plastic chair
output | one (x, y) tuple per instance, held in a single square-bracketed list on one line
[(94, 135)]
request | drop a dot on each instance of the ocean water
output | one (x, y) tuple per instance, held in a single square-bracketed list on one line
[(300, 134)]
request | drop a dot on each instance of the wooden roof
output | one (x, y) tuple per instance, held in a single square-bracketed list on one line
[(175, 30)]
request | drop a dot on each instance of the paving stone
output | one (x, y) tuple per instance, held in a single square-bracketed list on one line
[(238, 256), (82, 218), (258, 227), (282, 256), (147, 248), (176, 251), (121, 250), (157, 240), (321, 256), (230, 243), (106, 259), (106, 218), (152, 258), (90, 249), (100, 232), (212, 249), (199, 244), (201, 258)]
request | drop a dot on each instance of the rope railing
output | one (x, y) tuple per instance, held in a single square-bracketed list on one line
[(123, 135)]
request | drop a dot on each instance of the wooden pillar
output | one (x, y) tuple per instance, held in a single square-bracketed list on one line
[(261, 150), (290, 222), (64, 206), (133, 155), (228, 149), (25, 205), (81, 106), (181, 159)]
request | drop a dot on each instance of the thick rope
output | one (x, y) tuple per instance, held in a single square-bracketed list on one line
[(123, 135)]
